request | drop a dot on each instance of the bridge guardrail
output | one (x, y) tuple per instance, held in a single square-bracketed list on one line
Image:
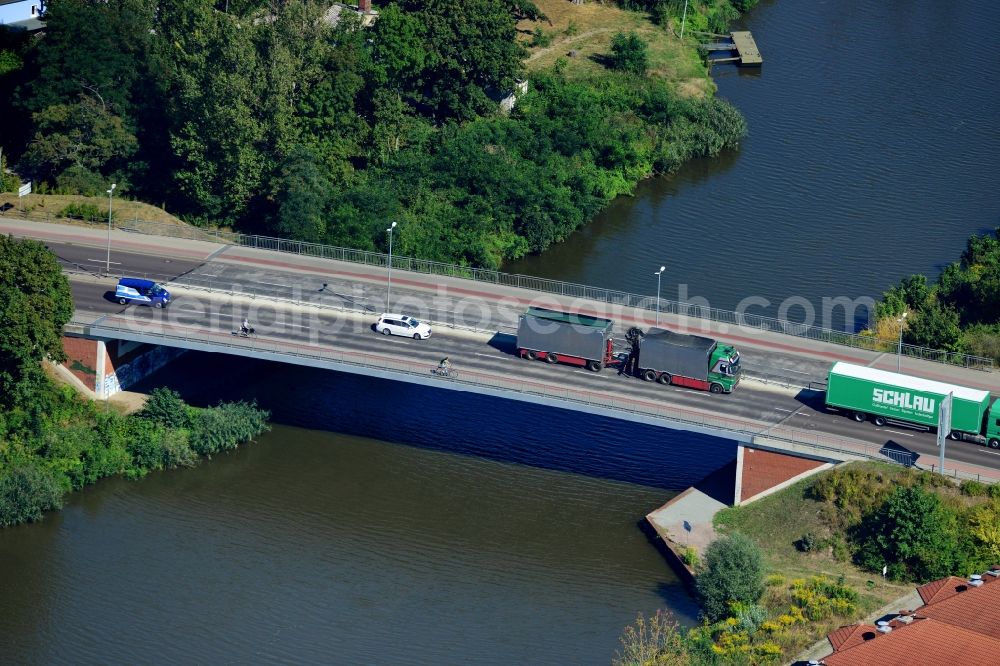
[(546, 285), (749, 430)]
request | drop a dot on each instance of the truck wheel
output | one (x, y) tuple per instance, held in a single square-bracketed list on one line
[(594, 366), (880, 421), (716, 388), (531, 355), (122, 301), (157, 305), (649, 375), (859, 417), (955, 435), (664, 378), (995, 443), (551, 358)]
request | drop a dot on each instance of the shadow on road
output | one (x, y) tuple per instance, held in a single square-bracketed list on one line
[(504, 342), (900, 454)]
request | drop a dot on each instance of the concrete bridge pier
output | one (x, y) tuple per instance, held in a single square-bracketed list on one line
[(109, 366)]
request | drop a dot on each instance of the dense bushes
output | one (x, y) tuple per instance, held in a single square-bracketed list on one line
[(913, 523), (960, 312), (27, 491), (84, 211), (63, 443)]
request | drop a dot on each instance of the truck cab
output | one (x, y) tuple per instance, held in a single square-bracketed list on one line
[(726, 368), (990, 432)]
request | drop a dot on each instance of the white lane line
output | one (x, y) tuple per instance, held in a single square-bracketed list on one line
[(798, 372), (896, 432), (780, 409), (493, 355), (593, 374)]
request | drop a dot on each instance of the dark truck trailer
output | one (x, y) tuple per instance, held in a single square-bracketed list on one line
[(565, 337), (688, 360)]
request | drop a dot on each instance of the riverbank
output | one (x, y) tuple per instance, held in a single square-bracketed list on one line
[(62, 442)]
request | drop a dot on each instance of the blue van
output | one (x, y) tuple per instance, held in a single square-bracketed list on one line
[(146, 292)]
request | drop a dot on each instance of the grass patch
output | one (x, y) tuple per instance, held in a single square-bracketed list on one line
[(588, 30), (50, 207), (779, 523)]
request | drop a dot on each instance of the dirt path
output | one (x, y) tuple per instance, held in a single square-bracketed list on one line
[(563, 43)]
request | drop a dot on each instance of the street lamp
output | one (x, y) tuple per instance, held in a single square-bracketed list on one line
[(388, 281), (899, 349), (107, 269), (658, 274)]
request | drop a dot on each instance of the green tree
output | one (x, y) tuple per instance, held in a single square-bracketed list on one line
[(934, 326), (35, 305), (303, 196), (208, 67), (910, 294), (470, 48), (629, 53), (734, 572), (83, 135), (913, 534), (26, 492), (166, 407)]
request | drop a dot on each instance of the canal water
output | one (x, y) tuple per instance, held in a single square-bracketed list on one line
[(873, 153), (381, 523)]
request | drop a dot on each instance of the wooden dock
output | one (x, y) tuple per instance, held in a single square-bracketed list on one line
[(746, 47), (741, 42)]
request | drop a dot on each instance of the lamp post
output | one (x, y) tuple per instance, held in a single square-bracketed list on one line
[(107, 268), (388, 281), (658, 274), (899, 349)]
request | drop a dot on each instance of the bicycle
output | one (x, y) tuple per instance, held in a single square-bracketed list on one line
[(450, 373), (246, 332)]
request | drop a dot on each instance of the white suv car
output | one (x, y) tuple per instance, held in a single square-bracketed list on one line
[(397, 324)]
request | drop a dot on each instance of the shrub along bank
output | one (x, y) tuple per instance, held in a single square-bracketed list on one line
[(61, 443)]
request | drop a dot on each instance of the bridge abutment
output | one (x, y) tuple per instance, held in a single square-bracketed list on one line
[(108, 366)]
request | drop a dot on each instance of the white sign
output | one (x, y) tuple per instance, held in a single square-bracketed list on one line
[(24, 190), (944, 428)]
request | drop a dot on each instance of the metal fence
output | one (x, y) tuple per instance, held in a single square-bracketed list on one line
[(557, 287)]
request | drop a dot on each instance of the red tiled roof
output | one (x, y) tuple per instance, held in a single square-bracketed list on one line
[(850, 636), (922, 643), (977, 609), (942, 589)]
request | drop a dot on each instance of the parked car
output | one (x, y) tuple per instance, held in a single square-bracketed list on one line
[(398, 324)]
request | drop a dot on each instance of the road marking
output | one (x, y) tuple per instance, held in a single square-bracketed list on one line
[(493, 355), (781, 409), (798, 372), (896, 432)]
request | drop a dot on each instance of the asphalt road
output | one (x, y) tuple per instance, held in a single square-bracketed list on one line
[(472, 353)]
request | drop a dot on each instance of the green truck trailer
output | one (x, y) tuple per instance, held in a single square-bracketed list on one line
[(891, 397)]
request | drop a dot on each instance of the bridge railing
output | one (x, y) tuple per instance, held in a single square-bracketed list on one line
[(307, 354), (558, 287)]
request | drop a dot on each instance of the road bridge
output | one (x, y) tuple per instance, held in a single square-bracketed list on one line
[(319, 312)]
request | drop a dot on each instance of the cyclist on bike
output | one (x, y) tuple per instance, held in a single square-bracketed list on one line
[(245, 327), (444, 367)]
